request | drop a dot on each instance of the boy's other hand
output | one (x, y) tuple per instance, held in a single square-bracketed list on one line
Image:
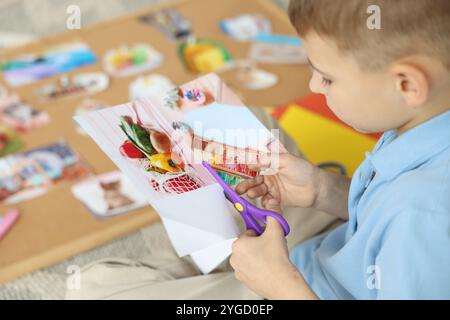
[(262, 263), (295, 183)]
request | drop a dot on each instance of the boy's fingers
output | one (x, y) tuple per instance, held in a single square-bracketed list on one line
[(273, 204), (264, 161), (273, 228), (265, 201), (245, 185), (257, 191)]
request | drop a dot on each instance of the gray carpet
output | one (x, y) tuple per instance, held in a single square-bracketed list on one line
[(33, 19)]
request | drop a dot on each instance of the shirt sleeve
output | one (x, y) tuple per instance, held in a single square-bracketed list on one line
[(414, 257)]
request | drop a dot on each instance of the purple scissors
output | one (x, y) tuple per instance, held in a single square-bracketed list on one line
[(249, 212)]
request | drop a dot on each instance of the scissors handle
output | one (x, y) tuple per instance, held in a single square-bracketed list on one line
[(249, 212), (254, 214)]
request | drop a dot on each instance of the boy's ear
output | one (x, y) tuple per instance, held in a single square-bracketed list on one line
[(412, 83)]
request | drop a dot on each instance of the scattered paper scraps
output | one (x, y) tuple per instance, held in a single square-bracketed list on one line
[(59, 59), (32, 173), (18, 114), (72, 86), (245, 27), (278, 49), (173, 97), (151, 86), (253, 77), (190, 97), (170, 22), (280, 39), (10, 142), (130, 60), (201, 55), (108, 195)]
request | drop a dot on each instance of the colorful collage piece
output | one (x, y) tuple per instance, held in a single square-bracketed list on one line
[(253, 77), (108, 195), (68, 87), (30, 174), (170, 22), (56, 60), (126, 61), (144, 134), (245, 27), (18, 114), (10, 142), (88, 105), (160, 150), (202, 55)]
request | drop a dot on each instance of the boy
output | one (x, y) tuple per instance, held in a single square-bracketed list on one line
[(396, 80)]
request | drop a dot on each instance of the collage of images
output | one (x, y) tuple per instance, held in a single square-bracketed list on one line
[(145, 144)]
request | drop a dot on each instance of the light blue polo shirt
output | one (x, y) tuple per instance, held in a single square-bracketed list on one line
[(396, 244)]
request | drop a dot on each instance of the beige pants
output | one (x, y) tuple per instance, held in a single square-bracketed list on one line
[(163, 275)]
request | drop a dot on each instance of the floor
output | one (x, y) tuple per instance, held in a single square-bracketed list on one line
[(21, 21)]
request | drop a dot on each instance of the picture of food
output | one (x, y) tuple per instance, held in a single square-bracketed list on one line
[(151, 150)]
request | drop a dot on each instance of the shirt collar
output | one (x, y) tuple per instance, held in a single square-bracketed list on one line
[(394, 155)]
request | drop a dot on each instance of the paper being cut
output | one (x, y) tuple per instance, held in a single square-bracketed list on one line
[(159, 143)]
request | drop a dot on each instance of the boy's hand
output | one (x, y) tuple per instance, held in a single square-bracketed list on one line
[(295, 184), (262, 264)]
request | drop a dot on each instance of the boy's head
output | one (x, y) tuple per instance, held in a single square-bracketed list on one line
[(394, 77)]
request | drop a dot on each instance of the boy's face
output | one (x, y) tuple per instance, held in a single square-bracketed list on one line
[(367, 101)]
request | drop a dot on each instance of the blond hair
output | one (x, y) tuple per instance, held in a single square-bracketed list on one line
[(407, 27)]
